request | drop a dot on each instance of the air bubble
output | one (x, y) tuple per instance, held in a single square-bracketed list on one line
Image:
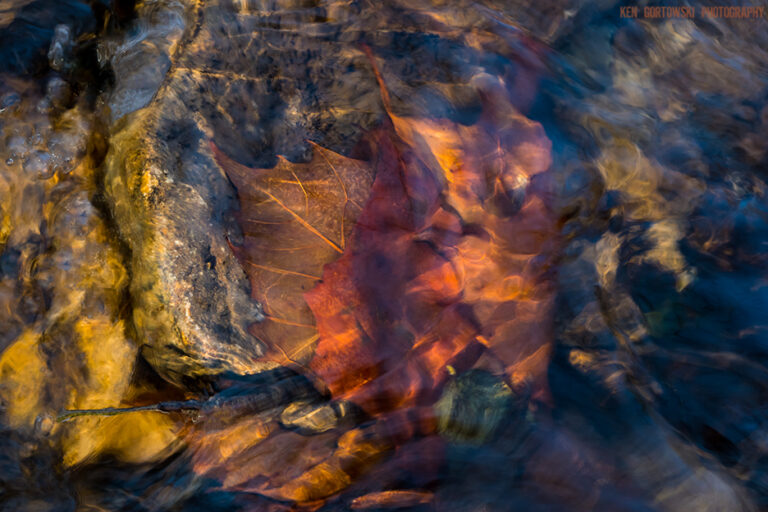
[(9, 101), (17, 146), (39, 165), (58, 92)]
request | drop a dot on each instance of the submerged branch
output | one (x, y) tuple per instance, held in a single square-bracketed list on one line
[(255, 397), (164, 407)]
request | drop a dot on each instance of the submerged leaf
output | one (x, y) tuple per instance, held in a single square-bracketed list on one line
[(443, 271), (391, 499), (449, 256), (295, 217)]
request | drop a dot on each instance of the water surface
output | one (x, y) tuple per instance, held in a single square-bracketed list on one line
[(555, 275)]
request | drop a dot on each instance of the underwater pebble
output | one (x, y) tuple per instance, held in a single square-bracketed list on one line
[(473, 407), (309, 417)]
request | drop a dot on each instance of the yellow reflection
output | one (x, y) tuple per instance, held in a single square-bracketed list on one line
[(132, 437), (23, 373)]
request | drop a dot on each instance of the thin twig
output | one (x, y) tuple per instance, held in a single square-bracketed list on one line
[(163, 407)]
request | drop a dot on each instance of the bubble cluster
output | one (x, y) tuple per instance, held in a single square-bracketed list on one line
[(39, 132)]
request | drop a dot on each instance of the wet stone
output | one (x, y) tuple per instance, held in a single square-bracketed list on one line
[(308, 417), (473, 407)]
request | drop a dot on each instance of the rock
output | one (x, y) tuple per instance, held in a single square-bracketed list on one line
[(309, 417), (473, 407), (313, 417)]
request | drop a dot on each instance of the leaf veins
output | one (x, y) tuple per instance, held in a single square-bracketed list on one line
[(295, 217)]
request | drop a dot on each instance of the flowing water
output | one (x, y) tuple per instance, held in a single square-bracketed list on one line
[(546, 290)]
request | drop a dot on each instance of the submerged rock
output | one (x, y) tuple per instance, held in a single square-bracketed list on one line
[(190, 305), (473, 407)]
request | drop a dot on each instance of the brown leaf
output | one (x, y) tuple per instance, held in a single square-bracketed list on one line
[(284, 465), (212, 447), (295, 217), (391, 499)]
